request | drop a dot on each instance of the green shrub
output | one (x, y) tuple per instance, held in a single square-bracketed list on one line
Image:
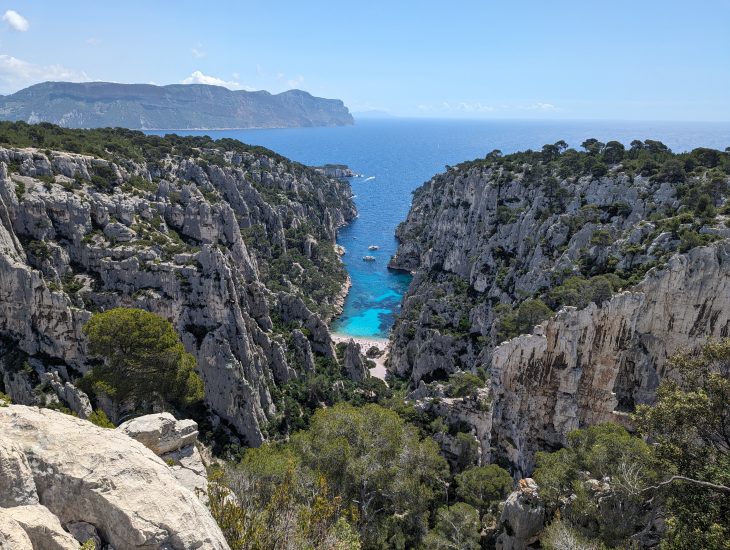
[(100, 418), (143, 358)]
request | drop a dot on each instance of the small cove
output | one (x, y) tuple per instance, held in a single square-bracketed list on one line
[(395, 156)]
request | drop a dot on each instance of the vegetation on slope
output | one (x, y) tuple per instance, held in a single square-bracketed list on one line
[(322, 275), (143, 360), (609, 485), (534, 231)]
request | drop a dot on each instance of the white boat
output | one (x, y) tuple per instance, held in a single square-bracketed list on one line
[(368, 258), (373, 247)]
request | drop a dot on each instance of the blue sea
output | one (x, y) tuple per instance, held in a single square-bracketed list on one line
[(395, 156)]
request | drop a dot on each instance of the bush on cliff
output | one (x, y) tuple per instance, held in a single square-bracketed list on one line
[(143, 359), (611, 485), (690, 427), (483, 486)]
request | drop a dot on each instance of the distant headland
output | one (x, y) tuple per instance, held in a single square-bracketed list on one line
[(173, 107)]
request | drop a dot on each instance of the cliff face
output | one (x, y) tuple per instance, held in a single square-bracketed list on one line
[(478, 238), (585, 367), (187, 238), (63, 476), (145, 106), (492, 244)]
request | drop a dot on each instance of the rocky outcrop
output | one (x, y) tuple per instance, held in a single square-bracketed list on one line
[(354, 362), (338, 171), (523, 518), (584, 367), (190, 106), (481, 236), (43, 529), (175, 442), (469, 416), (91, 482), (12, 534), (200, 242), (161, 433)]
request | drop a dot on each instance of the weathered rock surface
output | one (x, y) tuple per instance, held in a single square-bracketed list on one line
[(474, 411), (174, 441), (42, 527), (478, 237), (16, 477), (161, 433), (101, 477), (584, 367), (522, 519), (12, 534), (484, 237), (354, 362), (191, 240)]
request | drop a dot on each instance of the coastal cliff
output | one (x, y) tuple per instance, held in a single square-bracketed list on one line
[(502, 244), (233, 244), (589, 366), (173, 107)]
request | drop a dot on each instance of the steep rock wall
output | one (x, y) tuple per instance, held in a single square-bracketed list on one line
[(80, 234), (584, 367)]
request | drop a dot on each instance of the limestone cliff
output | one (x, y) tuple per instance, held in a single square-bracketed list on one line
[(500, 244), (224, 240), (585, 367), (64, 481)]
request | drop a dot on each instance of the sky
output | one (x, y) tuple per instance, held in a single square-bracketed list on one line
[(621, 60)]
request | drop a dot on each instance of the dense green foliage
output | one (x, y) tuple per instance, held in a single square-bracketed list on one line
[(457, 527), (649, 158), (144, 360), (608, 484), (690, 428), (376, 471), (483, 486), (278, 505), (605, 452), (117, 143), (326, 386)]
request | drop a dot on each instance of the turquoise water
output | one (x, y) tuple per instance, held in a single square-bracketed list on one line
[(395, 156)]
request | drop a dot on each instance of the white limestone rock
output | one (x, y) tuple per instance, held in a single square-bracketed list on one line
[(42, 527), (522, 519), (17, 486), (589, 366), (12, 534), (206, 282), (84, 473), (161, 433)]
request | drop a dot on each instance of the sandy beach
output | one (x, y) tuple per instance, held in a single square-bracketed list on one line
[(366, 343)]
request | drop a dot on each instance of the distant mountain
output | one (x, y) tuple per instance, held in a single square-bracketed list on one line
[(375, 113), (177, 106)]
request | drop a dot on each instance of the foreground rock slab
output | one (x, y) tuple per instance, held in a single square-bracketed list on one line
[(84, 473)]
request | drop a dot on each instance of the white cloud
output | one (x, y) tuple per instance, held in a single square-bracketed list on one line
[(540, 106), (16, 73), (295, 82), (93, 41), (16, 21), (475, 107), (462, 106), (197, 77), (197, 51)]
